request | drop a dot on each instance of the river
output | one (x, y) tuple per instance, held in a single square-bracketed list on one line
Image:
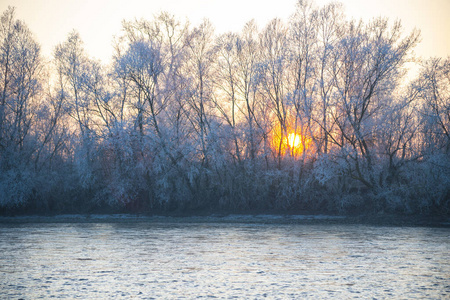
[(212, 260)]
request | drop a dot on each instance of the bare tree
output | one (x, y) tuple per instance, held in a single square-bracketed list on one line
[(73, 67), (272, 73), (20, 87), (329, 32), (433, 87), (303, 49), (201, 53), (366, 72), (20, 66)]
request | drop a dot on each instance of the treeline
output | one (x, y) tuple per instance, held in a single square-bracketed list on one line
[(309, 114)]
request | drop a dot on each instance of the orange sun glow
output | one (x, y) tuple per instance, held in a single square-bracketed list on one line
[(290, 143), (293, 140)]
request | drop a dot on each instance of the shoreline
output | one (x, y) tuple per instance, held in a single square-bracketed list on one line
[(281, 219)]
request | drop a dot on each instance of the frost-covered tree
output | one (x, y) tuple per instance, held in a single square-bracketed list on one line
[(272, 69), (330, 24), (74, 70), (366, 71), (432, 176), (303, 46), (434, 90), (20, 86), (310, 114)]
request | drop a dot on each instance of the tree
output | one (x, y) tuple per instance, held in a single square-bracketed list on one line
[(74, 69), (311, 114), (303, 48), (20, 67), (272, 71), (366, 71), (329, 32), (433, 88), (201, 54)]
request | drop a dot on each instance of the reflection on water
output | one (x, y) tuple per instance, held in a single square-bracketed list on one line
[(222, 260)]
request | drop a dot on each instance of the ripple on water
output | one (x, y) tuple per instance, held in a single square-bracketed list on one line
[(222, 260)]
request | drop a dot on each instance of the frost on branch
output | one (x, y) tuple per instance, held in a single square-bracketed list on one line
[(308, 114)]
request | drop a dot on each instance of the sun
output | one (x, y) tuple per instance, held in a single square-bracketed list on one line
[(292, 143), (290, 140), (295, 144), (293, 140)]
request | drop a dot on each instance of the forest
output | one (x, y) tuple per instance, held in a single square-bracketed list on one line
[(311, 114)]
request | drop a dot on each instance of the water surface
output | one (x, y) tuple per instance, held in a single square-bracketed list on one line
[(252, 261)]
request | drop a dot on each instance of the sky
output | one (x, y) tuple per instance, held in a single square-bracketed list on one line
[(98, 21)]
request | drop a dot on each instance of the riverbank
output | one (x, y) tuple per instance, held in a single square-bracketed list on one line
[(379, 219)]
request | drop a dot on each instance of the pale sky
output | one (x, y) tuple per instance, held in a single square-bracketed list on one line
[(98, 21)]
